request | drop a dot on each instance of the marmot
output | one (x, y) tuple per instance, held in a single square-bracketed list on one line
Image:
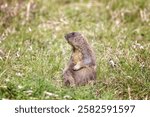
[(81, 68)]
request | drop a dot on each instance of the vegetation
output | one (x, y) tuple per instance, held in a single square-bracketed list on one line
[(33, 51)]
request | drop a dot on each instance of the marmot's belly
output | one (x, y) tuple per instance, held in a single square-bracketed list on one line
[(84, 75), (77, 56)]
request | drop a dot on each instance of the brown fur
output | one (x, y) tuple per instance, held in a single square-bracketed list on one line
[(82, 65)]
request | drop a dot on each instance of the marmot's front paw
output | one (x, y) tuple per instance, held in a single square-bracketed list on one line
[(76, 67)]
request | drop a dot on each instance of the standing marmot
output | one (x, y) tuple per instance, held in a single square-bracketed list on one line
[(82, 65)]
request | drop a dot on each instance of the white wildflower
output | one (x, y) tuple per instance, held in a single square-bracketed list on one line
[(19, 74), (112, 63)]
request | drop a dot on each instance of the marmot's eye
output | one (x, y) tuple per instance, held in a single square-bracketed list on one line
[(73, 34)]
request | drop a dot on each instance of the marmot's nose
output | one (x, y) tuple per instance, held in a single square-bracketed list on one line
[(66, 36)]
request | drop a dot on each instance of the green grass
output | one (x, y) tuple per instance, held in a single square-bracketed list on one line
[(33, 51)]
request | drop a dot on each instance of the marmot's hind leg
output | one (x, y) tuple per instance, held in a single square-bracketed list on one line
[(68, 79)]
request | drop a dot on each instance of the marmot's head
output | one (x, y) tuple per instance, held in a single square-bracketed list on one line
[(75, 39)]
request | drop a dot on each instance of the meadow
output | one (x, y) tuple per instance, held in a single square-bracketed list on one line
[(33, 51)]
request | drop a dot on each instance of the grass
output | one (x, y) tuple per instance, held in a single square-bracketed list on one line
[(33, 51)]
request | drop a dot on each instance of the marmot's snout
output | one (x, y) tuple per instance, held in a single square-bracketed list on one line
[(71, 35), (66, 36)]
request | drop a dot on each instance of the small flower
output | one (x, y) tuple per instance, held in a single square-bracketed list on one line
[(19, 74), (112, 63)]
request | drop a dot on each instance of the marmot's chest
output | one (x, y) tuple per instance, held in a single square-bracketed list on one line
[(77, 56)]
